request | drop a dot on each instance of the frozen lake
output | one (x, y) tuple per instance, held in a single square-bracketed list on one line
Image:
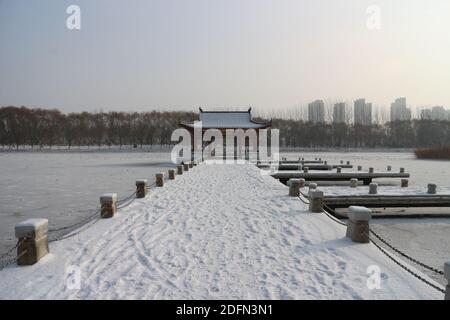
[(65, 187)]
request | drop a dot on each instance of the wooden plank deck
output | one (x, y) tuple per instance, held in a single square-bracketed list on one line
[(366, 177), (388, 201)]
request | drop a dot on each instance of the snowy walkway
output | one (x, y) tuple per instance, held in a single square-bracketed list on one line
[(217, 232)]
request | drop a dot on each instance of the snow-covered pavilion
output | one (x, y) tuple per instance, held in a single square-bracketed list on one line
[(224, 120)]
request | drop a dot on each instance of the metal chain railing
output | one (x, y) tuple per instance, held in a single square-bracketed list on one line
[(12, 260), (407, 269), (391, 257), (405, 255)]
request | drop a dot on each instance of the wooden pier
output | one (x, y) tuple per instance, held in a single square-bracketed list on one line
[(387, 201), (320, 167), (366, 177)]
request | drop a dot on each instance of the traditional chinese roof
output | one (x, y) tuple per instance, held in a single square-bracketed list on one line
[(227, 120)]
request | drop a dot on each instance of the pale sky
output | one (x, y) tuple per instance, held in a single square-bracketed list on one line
[(181, 54)]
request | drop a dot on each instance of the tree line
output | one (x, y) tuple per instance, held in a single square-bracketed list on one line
[(21, 126)]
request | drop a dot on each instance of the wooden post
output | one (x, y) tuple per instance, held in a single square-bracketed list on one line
[(141, 188), (186, 167), (431, 188), (179, 169), (358, 224), (447, 276), (404, 183), (160, 179), (353, 182), (373, 188), (108, 202), (316, 201), (32, 242), (294, 187), (171, 174)]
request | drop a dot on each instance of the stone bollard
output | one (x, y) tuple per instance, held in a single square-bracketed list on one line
[(108, 202), (370, 170), (320, 159), (359, 168), (171, 174), (186, 167), (358, 224), (447, 276), (194, 163), (315, 159), (32, 242), (160, 179), (305, 169), (353, 182), (373, 188), (312, 186), (348, 163), (325, 162), (402, 170), (302, 182), (179, 169), (283, 159), (294, 187), (431, 188), (141, 188), (389, 168), (404, 183), (190, 165), (342, 161), (338, 169), (316, 201)]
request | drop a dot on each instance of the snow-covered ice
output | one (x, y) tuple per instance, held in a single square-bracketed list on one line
[(216, 232)]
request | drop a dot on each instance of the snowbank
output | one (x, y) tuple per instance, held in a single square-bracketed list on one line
[(216, 232)]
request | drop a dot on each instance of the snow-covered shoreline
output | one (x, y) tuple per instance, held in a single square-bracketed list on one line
[(217, 232)]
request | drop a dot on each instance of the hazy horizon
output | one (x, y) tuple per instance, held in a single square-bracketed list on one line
[(179, 55)]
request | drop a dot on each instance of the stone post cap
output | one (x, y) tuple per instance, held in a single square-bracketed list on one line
[(373, 184), (108, 198), (447, 271), (31, 228), (432, 185), (354, 179), (357, 213), (293, 181), (160, 175), (316, 194), (171, 170), (141, 182), (312, 185)]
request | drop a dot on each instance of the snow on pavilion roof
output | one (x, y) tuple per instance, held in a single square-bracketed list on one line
[(227, 119)]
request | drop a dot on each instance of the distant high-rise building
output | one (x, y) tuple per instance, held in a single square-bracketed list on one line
[(316, 111), (363, 112), (438, 113), (425, 114), (399, 111), (339, 112)]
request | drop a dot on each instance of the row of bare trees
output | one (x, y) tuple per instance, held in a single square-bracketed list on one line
[(40, 127)]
